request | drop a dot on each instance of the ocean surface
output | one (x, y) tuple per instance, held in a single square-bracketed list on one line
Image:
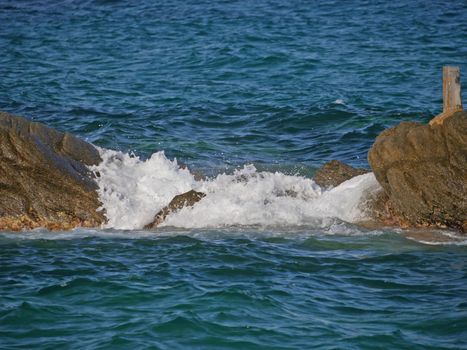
[(254, 96)]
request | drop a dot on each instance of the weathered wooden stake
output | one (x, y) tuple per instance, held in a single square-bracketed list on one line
[(452, 100)]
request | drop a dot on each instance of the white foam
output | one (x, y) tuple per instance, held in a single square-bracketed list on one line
[(133, 191)]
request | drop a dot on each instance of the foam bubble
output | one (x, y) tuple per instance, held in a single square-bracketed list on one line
[(133, 191)]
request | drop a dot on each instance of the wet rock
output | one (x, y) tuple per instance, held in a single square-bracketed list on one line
[(423, 171), (44, 181), (379, 212), (334, 172), (187, 199)]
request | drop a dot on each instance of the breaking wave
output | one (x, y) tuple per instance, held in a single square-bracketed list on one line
[(133, 190)]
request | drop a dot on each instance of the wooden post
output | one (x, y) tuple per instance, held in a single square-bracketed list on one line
[(452, 100)]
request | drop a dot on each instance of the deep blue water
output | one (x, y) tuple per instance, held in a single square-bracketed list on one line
[(229, 82), (286, 85)]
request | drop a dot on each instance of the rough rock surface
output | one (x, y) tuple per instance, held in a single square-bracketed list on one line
[(334, 172), (186, 199), (423, 170), (44, 181)]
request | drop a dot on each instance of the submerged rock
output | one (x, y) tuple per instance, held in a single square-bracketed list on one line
[(423, 170), (187, 199), (44, 181), (334, 172)]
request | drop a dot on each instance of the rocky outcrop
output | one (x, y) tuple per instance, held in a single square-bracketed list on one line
[(334, 172), (423, 170), (44, 181), (187, 199)]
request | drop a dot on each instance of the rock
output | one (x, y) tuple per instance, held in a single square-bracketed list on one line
[(44, 181), (187, 199), (423, 170), (379, 212), (334, 172)]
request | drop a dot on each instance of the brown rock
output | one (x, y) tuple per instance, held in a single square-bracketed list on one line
[(334, 172), (187, 199), (423, 170), (380, 212), (44, 181)]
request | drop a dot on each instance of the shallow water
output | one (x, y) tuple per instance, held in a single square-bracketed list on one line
[(263, 91)]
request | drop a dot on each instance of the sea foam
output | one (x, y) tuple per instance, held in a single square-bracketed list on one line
[(133, 190)]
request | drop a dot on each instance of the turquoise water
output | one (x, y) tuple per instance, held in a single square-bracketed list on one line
[(230, 289), (283, 85)]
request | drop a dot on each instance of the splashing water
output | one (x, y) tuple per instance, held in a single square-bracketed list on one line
[(133, 191)]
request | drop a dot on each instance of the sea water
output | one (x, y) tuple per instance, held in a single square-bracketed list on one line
[(241, 100)]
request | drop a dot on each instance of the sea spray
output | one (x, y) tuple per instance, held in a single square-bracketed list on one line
[(133, 190)]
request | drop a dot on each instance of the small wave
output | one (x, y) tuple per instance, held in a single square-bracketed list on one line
[(133, 190), (435, 237)]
